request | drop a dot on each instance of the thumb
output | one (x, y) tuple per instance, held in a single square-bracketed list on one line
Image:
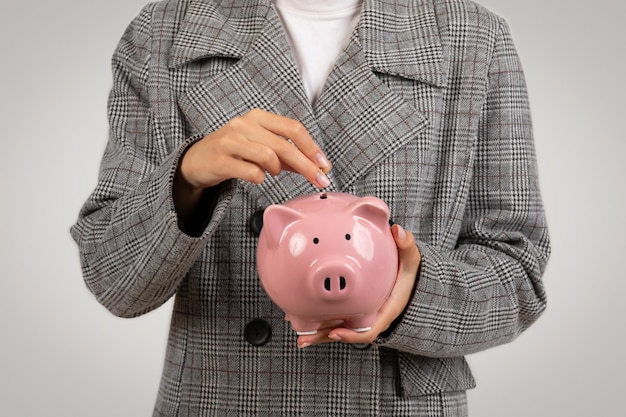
[(409, 256)]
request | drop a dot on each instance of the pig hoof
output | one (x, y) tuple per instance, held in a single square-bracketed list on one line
[(363, 329), (306, 333)]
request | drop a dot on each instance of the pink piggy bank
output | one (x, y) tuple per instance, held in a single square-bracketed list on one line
[(328, 256)]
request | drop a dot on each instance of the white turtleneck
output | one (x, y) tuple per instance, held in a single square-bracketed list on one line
[(317, 31)]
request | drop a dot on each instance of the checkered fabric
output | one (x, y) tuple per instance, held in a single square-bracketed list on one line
[(426, 108)]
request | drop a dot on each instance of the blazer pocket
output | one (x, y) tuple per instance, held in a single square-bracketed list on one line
[(420, 375)]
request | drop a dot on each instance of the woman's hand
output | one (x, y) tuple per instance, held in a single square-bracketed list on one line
[(246, 148), (409, 261)]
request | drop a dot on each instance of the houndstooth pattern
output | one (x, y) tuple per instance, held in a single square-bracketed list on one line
[(426, 108)]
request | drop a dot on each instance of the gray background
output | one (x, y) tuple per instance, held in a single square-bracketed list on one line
[(63, 354)]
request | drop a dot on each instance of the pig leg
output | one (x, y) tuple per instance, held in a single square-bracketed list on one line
[(361, 323), (303, 326)]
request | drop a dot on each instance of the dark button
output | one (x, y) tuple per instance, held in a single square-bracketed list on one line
[(361, 346), (256, 222), (258, 332)]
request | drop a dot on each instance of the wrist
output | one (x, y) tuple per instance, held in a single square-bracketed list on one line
[(186, 196)]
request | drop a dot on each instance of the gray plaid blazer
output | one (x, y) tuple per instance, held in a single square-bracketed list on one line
[(426, 108)]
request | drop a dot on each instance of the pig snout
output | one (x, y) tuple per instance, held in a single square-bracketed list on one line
[(334, 280)]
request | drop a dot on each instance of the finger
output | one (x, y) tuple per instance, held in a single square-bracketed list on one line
[(298, 154), (262, 156), (322, 334), (409, 256), (242, 169), (245, 139), (315, 339), (233, 156), (296, 132), (291, 159)]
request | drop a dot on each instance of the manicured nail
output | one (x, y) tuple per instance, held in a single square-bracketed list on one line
[(304, 345), (401, 233), (322, 180), (322, 162)]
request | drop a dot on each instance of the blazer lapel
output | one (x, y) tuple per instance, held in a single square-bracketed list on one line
[(402, 38), (361, 119), (264, 76)]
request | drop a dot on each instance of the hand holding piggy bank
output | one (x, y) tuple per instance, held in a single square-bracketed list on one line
[(328, 256)]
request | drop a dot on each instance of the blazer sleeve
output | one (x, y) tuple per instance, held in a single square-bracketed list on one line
[(488, 289), (133, 252)]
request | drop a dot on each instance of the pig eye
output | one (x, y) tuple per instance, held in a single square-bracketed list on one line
[(316, 240), (348, 237)]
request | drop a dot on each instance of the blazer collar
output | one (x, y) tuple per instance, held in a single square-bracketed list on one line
[(399, 38)]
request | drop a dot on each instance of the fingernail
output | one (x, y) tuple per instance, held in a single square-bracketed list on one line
[(321, 160), (304, 345), (334, 337), (322, 180), (401, 233)]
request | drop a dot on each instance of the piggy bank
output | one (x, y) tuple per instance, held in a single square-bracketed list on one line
[(327, 256)]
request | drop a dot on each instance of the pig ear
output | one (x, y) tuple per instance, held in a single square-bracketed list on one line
[(371, 209), (276, 219)]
